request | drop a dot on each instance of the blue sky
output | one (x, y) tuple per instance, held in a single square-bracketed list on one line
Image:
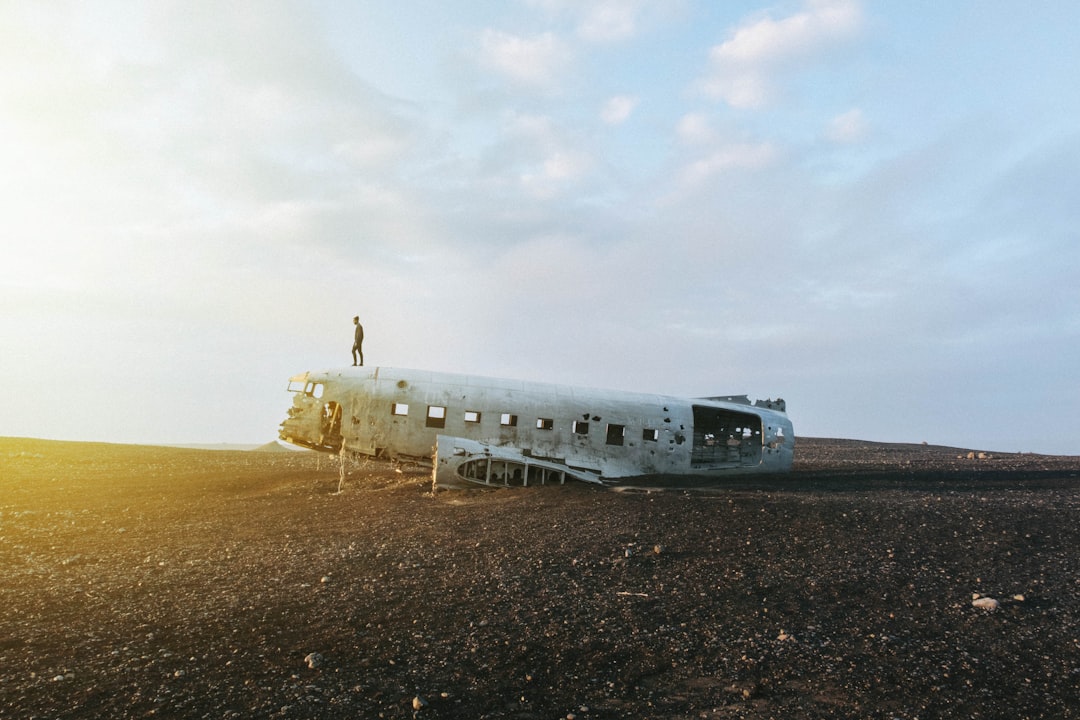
[(867, 208)]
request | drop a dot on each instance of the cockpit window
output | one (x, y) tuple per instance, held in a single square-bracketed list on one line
[(314, 390)]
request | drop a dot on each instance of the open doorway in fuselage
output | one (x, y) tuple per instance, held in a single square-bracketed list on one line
[(725, 438), (330, 426)]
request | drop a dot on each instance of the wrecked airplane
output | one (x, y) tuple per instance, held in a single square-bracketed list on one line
[(478, 431)]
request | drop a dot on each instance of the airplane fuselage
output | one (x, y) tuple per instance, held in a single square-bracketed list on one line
[(532, 431)]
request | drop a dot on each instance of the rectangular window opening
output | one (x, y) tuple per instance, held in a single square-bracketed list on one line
[(615, 434), (400, 409), (545, 423), (581, 427), (472, 416), (508, 420), (650, 434), (436, 416)]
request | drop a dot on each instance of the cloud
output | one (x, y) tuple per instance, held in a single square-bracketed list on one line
[(709, 152), (694, 129), (617, 109), (533, 61), (743, 67), (847, 128), (537, 156), (738, 156), (555, 163), (557, 170), (609, 20)]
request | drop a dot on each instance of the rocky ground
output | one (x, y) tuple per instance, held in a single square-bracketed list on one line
[(154, 582)]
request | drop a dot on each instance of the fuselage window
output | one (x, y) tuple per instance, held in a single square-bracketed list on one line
[(615, 434), (400, 409), (508, 420), (436, 416), (472, 416), (315, 390), (545, 423), (650, 435), (581, 427)]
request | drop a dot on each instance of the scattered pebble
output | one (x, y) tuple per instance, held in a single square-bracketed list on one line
[(313, 660), (985, 603)]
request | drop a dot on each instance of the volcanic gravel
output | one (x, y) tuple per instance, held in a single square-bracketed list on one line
[(159, 582)]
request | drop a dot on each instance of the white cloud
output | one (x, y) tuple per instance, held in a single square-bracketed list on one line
[(694, 129), (617, 109), (846, 128), (743, 67), (741, 156), (609, 20), (539, 156), (555, 172), (605, 21), (767, 40), (536, 61)]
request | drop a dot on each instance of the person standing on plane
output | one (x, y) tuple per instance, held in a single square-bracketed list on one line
[(358, 341)]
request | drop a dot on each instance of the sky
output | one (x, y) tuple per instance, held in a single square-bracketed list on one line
[(870, 209)]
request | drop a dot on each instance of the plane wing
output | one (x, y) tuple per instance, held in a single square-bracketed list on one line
[(461, 463)]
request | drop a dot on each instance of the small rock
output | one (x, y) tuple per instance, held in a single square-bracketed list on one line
[(313, 660), (419, 702), (1018, 597), (985, 603)]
